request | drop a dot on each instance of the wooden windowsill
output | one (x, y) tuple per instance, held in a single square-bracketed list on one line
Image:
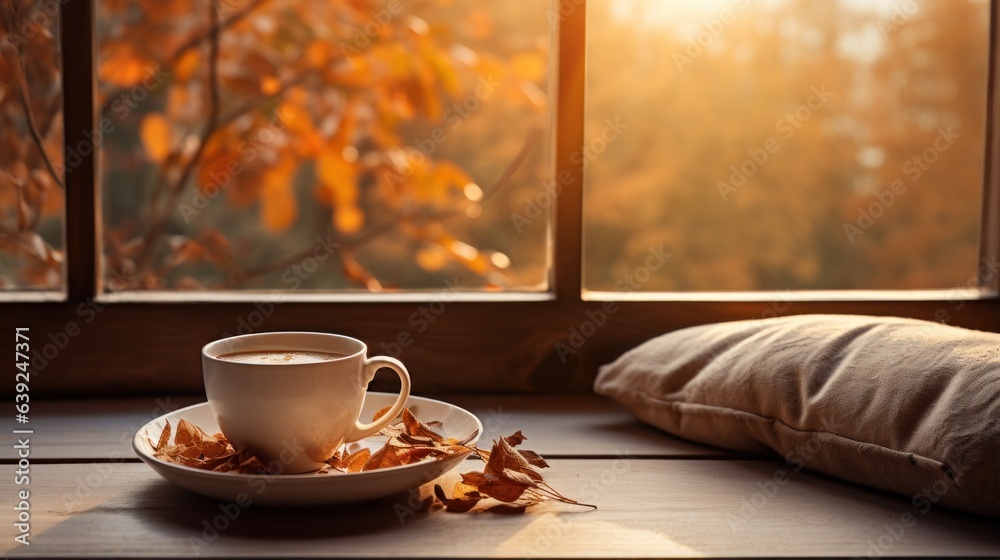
[(656, 495)]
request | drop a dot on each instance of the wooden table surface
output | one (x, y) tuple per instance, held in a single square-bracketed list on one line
[(657, 496)]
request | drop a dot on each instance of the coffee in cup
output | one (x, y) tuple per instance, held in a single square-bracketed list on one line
[(294, 398)]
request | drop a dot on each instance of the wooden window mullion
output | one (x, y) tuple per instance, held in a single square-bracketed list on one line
[(568, 177), (76, 35), (989, 244)]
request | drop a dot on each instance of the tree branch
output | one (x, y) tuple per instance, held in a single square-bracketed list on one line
[(240, 110), (377, 231), (29, 115), (156, 230), (192, 42), (387, 226), (223, 120)]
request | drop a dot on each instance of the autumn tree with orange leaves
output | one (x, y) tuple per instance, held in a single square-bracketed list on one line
[(234, 137), (31, 147), (240, 137), (289, 111)]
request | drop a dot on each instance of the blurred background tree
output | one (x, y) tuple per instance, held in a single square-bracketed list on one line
[(31, 147), (242, 135), (897, 76), (251, 133)]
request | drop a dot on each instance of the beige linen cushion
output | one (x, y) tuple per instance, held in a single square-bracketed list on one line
[(907, 406)]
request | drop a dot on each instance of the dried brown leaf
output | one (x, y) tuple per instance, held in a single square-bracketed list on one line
[(410, 455), (503, 456), (383, 458), (356, 461), (164, 437), (250, 464), (404, 439), (188, 433), (515, 439), (503, 488), (465, 491), (211, 449), (207, 464), (474, 479), (337, 459), (230, 464), (190, 452), (414, 427), (534, 458), (392, 430), (517, 477), (509, 476), (171, 450), (452, 504), (483, 454)]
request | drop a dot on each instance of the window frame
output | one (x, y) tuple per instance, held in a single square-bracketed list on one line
[(480, 342)]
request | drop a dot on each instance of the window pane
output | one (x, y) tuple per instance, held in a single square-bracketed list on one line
[(323, 145), (31, 148), (784, 144)]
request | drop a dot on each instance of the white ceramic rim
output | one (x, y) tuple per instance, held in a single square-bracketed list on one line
[(206, 350)]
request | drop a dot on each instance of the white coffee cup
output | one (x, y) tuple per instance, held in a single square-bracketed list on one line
[(294, 415)]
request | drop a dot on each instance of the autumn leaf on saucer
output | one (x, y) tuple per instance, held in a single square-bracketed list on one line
[(192, 447), (410, 440)]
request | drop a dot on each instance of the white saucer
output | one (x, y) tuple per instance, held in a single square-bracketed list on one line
[(313, 489)]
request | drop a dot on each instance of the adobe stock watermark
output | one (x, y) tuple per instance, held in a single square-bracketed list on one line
[(923, 501), (986, 272), (555, 533), (786, 127), (900, 14), (454, 117), (421, 319), (229, 512), (87, 311), (579, 334), (248, 151), (121, 107), (914, 168), (415, 501), (581, 159), (767, 489), (362, 37), (292, 277), (563, 11), (710, 30), (40, 20), (101, 473), (782, 303)]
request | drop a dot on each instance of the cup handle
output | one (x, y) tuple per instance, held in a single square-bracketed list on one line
[(372, 365)]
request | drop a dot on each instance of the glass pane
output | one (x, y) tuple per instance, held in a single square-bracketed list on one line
[(784, 144), (31, 148), (323, 145)]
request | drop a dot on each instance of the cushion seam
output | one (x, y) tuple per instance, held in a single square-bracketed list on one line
[(696, 406)]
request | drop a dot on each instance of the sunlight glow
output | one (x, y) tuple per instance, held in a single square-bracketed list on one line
[(473, 192)]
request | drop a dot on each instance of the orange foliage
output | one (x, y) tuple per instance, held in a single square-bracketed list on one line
[(293, 101), (156, 136), (700, 105), (31, 148)]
